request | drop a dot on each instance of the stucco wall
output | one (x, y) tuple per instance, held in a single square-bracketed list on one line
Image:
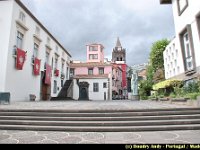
[(21, 83), (92, 95), (5, 25)]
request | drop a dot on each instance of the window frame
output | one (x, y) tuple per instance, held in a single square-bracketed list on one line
[(105, 85), (35, 50), (187, 30), (20, 40), (47, 57), (198, 23), (180, 11), (22, 16), (95, 87), (93, 48), (101, 71), (55, 86), (90, 69)]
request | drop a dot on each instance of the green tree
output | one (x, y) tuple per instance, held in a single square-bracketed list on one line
[(155, 69), (156, 55)]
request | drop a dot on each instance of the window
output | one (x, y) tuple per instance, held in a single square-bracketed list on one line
[(95, 87), (93, 56), (56, 48), (72, 71), (56, 63), (176, 53), (182, 5), (62, 67), (175, 63), (67, 70), (37, 31), (90, 71), (188, 53), (178, 70), (187, 48), (101, 70), (55, 87), (198, 23), (19, 40), (22, 16), (104, 85), (35, 50), (52, 63), (47, 58), (48, 41), (93, 48), (62, 83)]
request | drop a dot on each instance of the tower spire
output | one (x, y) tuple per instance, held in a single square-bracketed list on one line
[(118, 44)]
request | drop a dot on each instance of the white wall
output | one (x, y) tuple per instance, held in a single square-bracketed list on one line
[(21, 83), (92, 95), (171, 55), (5, 25), (188, 17)]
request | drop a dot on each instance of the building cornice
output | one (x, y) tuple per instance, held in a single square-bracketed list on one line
[(40, 24)]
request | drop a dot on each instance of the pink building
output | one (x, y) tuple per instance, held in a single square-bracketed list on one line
[(95, 53), (95, 79)]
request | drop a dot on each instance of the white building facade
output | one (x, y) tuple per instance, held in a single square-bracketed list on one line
[(98, 88), (186, 65), (22, 33), (173, 61)]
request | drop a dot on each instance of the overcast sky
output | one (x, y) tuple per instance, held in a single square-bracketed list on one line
[(75, 23)]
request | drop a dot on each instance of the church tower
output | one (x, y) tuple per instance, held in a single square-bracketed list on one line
[(119, 54)]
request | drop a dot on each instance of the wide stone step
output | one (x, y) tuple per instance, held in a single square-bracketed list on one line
[(131, 118), (101, 128), (100, 123), (158, 113), (97, 110)]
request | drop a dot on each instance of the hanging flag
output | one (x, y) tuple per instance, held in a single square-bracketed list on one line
[(48, 75), (21, 55), (56, 72), (36, 66)]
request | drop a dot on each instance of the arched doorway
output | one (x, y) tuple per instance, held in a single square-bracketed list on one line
[(83, 94), (83, 90)]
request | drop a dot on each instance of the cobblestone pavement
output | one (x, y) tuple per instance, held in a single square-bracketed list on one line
[(46, 137), (91, 105)]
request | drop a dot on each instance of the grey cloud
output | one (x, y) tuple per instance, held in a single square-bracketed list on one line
[(76, 23)]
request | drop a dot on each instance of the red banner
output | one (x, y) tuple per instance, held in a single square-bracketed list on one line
[(48, 75), (36, 67), (21, 56), (56, 72)]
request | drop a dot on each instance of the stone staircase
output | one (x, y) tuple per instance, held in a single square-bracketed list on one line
[(63, 95), (101, 120)]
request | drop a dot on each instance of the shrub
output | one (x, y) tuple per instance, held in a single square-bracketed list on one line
[(192, 96), (172, 95), (192, 88)]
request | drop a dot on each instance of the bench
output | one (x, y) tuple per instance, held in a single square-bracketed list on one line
[(4, 98), (164, 99), (179, 99)]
